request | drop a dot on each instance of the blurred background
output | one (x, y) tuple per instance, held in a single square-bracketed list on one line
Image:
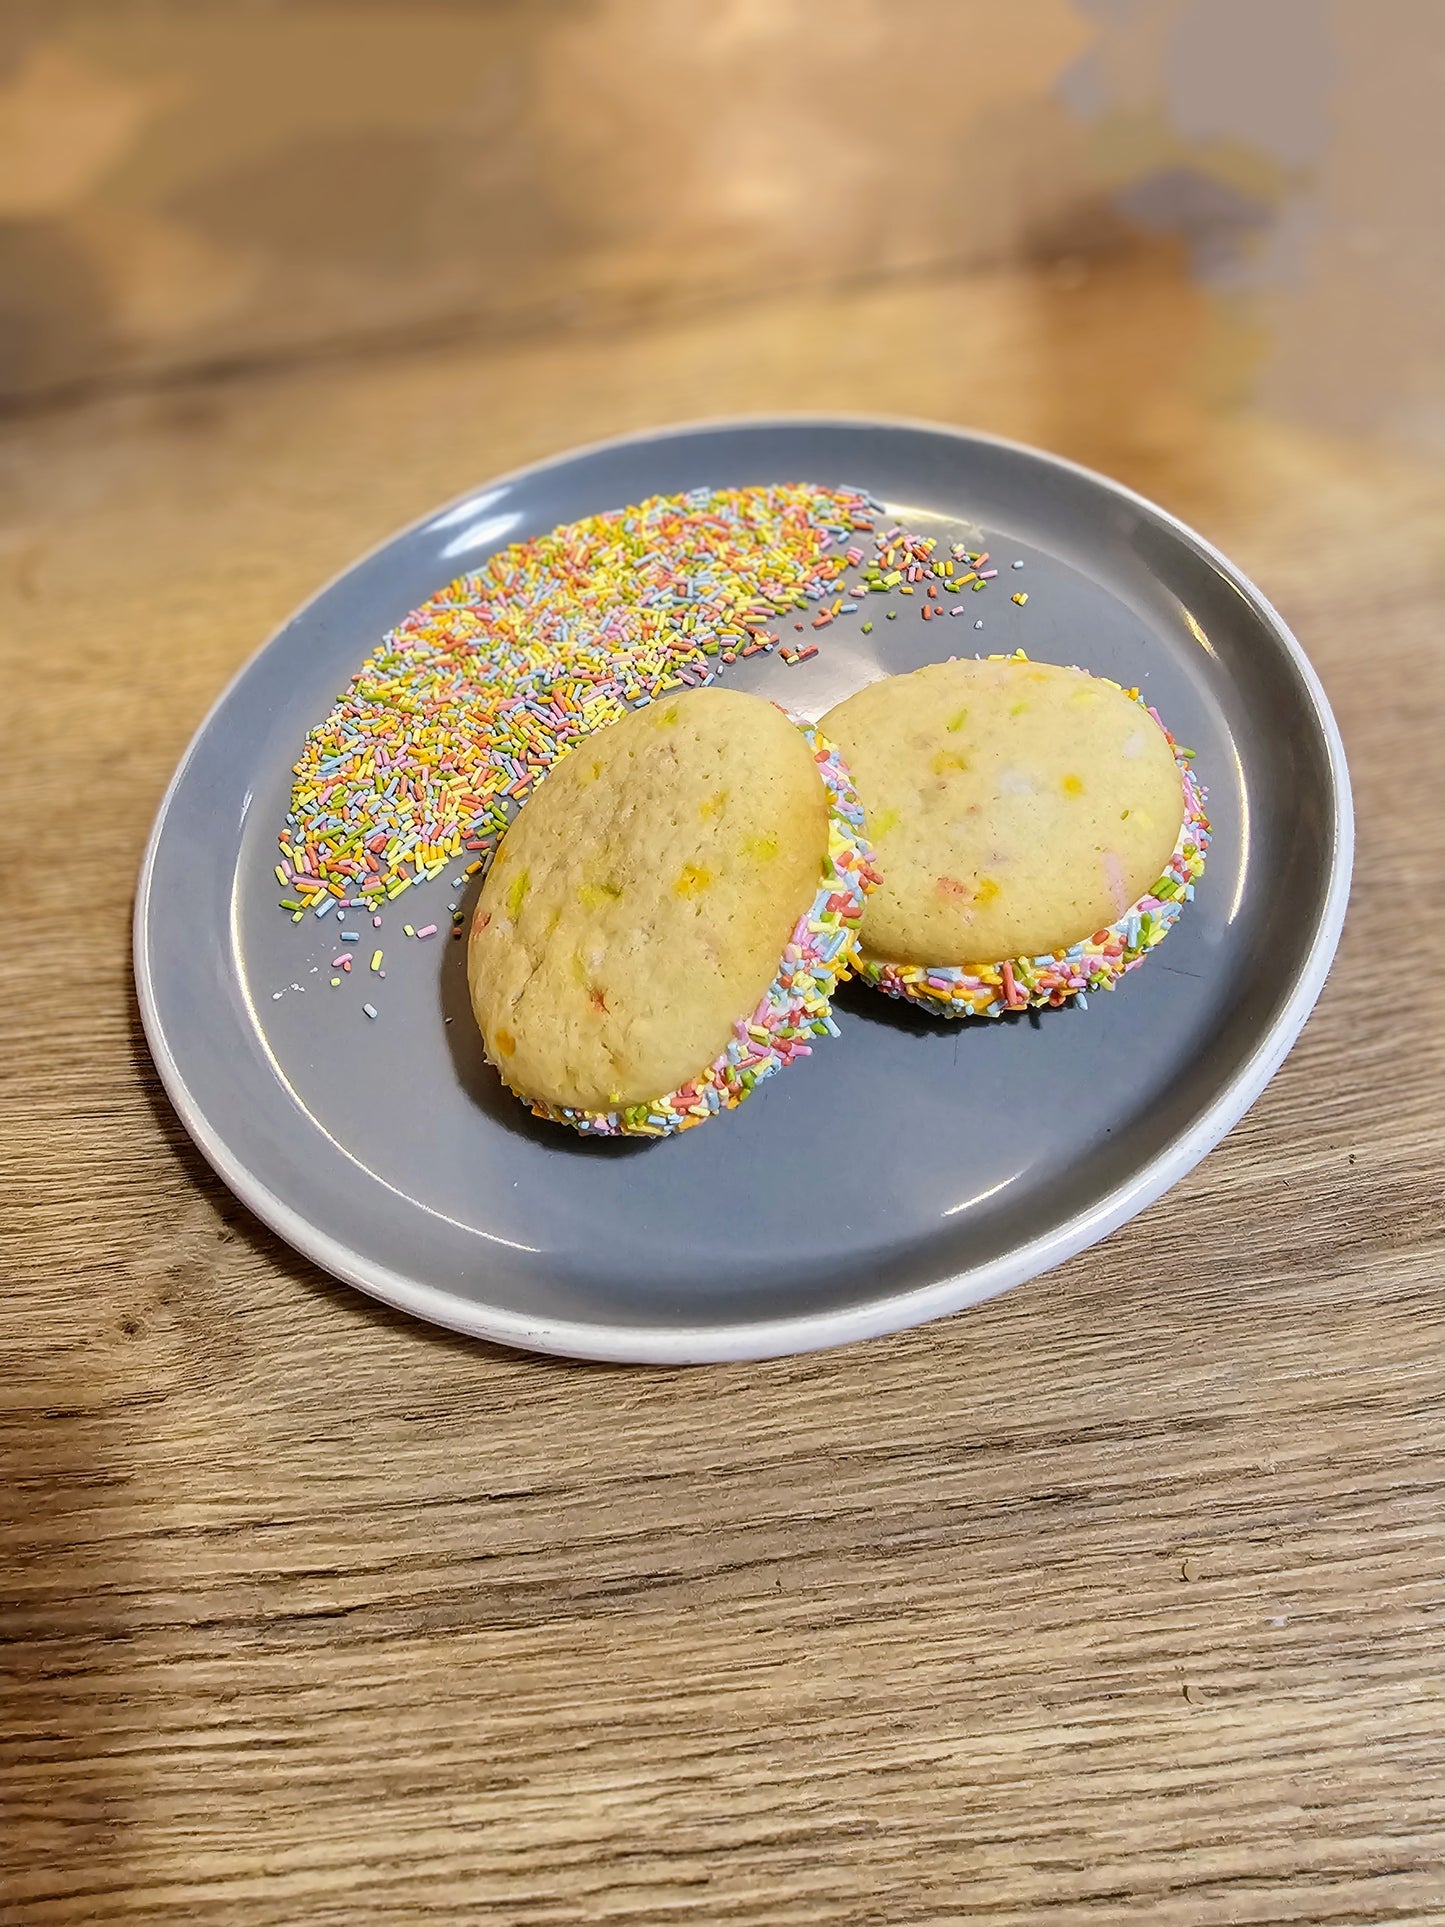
[(191, 190)]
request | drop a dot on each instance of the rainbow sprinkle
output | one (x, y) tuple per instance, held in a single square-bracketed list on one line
[(796, 1006), (1019, 983), (472, 698)]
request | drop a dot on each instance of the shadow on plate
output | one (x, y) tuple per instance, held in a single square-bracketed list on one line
[(858, 1000)]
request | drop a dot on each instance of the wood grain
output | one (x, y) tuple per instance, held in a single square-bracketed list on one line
[(1117, 1600)]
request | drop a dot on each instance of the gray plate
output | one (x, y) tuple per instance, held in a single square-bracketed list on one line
[(911, 1167)]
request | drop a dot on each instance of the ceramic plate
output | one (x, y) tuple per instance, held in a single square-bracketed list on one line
[(907, 1169)]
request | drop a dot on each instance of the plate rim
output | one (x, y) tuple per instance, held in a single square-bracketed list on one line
[(756, 1339)]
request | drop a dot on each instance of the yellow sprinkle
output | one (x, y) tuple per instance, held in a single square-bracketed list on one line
[(376, 960), (958, 722), (1021, 598)]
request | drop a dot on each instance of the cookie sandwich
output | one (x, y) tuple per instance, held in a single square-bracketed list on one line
[(1037, 829), (667, 917)]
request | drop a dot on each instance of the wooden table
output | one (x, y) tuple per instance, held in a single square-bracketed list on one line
[(1118, 1599)]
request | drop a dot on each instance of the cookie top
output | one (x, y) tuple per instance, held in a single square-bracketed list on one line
[(640, 903), (1014, 807)]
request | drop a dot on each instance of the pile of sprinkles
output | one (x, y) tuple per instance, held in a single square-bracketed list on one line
[(473, 697), (795, 1008), (1098, 963)]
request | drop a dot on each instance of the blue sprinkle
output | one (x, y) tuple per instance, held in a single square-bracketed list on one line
[(351, 936)]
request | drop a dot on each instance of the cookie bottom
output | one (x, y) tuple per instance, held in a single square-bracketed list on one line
[(1024, 983)]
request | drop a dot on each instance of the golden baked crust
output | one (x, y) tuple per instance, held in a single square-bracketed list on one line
[(640, 903), (1014, 807)]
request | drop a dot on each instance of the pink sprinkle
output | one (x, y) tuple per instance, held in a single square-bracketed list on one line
[(987, 575), (427, 930), (376, 923), (343, 962)]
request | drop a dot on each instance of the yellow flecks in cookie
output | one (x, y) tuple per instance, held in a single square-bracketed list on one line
[(985, 890), (592, 896), (948, 761), (1072, 785), (712, 806), (762, 849), (665, 718), (1018, 709), (956, 723), (591, 773), (692, 880), (517, 894), (579, 968), (506, 1042), (882, 822)]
